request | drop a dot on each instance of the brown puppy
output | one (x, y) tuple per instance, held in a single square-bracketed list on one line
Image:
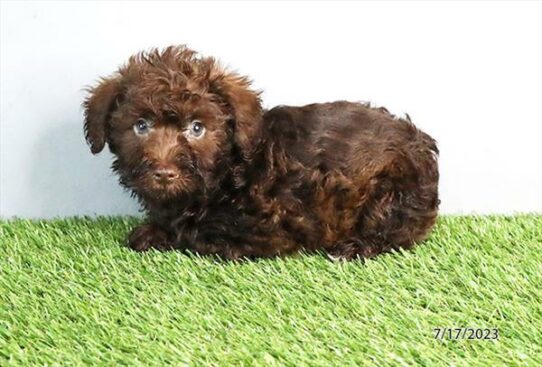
[(218, 175)]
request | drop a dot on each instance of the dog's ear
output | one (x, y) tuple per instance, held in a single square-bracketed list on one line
[(244, 105), (99, 105)]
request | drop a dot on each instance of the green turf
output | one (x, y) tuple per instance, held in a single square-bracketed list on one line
[(70, 295)]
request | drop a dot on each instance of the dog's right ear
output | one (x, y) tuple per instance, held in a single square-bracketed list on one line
[(99, 105)]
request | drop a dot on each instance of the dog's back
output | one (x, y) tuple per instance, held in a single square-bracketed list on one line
[(385, 167)]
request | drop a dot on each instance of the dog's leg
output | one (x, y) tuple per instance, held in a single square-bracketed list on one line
[(353, 248), (148, 236)]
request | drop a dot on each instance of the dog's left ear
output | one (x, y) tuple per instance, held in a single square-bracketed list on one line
[(98, 106), (245, 107)]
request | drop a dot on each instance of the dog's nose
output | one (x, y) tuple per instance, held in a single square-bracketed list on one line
[(165, 175)]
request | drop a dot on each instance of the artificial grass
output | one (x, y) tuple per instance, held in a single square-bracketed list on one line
[(70, 295)]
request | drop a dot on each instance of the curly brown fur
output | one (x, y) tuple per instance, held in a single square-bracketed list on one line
[(340, 177)]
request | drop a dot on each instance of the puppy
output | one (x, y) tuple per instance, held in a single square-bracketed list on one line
[(216, 174)]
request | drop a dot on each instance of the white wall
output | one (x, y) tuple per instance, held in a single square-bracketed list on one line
[(469, 73)]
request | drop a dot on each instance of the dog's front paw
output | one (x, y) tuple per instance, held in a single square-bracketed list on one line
[(149, 236)]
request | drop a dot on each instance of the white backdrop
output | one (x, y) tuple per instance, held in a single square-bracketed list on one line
[(469, 73)]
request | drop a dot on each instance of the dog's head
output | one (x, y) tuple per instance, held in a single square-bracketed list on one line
[(174, 121)]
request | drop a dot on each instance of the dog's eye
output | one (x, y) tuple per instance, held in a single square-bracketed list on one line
[(196, 129), (142, 126)]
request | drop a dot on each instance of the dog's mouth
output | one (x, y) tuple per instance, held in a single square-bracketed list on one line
[(163, 190), (159, 182)]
